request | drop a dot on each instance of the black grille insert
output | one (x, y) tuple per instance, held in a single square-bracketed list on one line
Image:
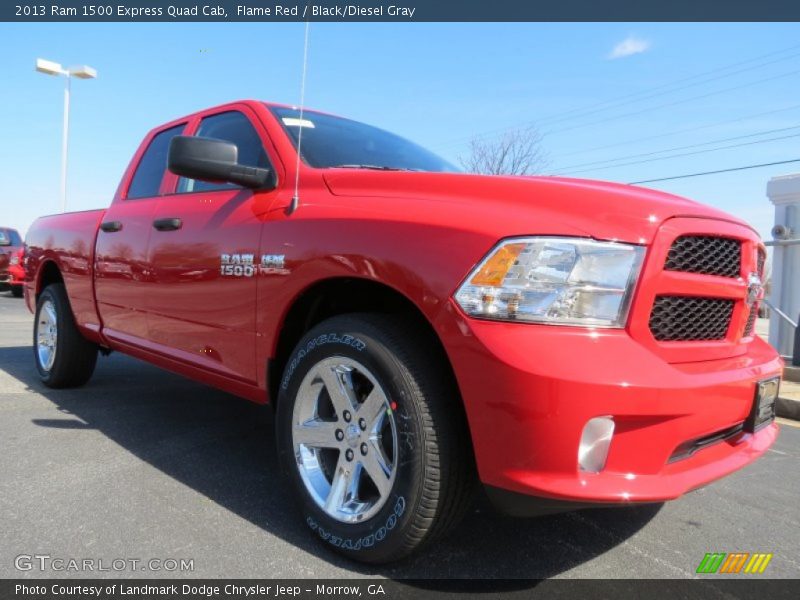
[(686, 449), (751, 321), (686, 318), (706, 254)]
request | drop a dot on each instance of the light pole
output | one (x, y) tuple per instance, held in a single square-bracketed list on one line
[(82, 72)]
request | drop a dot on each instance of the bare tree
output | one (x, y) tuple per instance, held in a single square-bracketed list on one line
[(516, 152)]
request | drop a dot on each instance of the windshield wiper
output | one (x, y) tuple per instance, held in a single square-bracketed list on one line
[(372, 167)]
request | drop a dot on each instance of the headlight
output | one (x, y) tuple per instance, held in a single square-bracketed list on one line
[(562, 281), (15, 260)]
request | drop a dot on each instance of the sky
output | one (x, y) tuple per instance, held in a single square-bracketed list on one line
[(622, 93)]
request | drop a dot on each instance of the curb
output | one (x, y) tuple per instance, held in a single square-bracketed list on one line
[(785, 406), (788, 408)]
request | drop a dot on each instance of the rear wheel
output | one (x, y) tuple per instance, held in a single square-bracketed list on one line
[(372, 437), (64, 358), (16, 291)]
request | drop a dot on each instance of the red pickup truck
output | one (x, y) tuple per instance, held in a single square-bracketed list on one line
[(565, 343)]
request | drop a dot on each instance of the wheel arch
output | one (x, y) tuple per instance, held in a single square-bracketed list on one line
[(338, 296), (49, 272)]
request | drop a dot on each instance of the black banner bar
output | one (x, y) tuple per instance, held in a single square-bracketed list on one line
[(706, 588), (399, 10)]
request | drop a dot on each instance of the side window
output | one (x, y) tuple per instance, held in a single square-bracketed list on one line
[(230, 127), (10, 237), (147, 179)]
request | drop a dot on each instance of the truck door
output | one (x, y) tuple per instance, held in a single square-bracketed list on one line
[(203, 252), (122, 278)]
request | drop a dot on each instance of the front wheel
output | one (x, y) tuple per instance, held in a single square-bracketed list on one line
[(16, 291), (64, 358), (372, 436)]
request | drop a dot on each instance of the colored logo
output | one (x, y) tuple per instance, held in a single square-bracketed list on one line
[(735, 562)]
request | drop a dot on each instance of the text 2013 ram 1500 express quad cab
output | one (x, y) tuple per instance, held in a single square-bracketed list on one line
[(565, 343)]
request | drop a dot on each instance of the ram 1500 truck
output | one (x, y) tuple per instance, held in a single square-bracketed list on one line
[(564, 343)]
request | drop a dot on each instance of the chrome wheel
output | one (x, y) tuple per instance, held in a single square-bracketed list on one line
[(344, 438), (47, 335)]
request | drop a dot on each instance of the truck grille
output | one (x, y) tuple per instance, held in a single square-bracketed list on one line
[(691, 304), (686, 318), (705, 254)]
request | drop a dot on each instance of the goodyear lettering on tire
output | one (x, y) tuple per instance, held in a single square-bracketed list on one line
[(368, 540)]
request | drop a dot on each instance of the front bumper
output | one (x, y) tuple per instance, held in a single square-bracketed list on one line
[(530, 389)]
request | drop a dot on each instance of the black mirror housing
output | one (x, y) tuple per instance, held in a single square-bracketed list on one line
[(209, 159)]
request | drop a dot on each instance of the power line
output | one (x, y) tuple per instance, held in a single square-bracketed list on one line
[(614, 102), (639, 162), (679, 131), (685, 79), (674, 103), (628, 98), (772, 164), (678, 89), (655, 152)]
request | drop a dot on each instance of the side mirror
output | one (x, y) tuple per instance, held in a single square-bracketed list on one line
[(208, 159)]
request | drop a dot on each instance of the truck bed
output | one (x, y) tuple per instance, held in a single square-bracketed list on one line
[(68, 239)]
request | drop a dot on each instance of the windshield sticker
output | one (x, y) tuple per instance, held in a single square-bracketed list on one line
[(294, 122)]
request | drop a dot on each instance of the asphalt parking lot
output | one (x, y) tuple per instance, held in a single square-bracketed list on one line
[(143, 464)]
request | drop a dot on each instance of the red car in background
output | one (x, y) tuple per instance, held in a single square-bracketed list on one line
[(12, 272)]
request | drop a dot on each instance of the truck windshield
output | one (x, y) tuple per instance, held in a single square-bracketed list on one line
[(330, 141)]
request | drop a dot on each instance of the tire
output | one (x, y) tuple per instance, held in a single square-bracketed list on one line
[(16, 291), (64, 358), (422, 437)]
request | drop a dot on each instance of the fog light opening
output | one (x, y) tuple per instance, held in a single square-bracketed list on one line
[(595, 442)]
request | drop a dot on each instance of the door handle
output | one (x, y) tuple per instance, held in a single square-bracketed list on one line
[(167, 224), (111, 226)]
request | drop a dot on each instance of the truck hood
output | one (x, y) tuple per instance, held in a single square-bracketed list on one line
[(527, 205)]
